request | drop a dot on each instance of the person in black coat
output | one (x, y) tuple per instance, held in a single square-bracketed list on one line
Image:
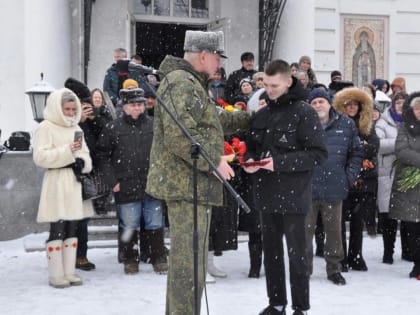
[(247, 71), (287, 138), (358, 105), (93, 119), (123, 151)]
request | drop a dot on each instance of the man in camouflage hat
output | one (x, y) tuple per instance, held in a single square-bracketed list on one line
[(183, 89)]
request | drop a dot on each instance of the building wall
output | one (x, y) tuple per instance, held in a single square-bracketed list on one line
[(36, 38), (402, 36), (47, 36), (110, 30), (12, 79), (241, 32)]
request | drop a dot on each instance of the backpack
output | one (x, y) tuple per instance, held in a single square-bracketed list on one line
[(18, 141)]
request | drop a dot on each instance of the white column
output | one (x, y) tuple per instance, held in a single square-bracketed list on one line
[(295, 37), (47, 45)]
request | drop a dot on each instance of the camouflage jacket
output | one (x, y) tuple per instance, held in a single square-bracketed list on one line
[(184, 91)]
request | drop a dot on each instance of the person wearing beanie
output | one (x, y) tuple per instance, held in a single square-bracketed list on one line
[(92, 120), (305, 64), (247, 70), (336, 76), (404, 203), (357, 105), (244, 95), (331, 182), (130, 84), (398, 85), (123, 153)]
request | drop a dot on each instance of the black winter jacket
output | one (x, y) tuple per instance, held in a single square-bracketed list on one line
[(332, 180), (92, 129), (289, 130), (123, 151)]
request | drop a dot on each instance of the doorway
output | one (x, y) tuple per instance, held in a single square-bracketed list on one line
[(156, 40)]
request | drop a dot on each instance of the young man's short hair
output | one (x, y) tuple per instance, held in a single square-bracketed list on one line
[(277, 67)]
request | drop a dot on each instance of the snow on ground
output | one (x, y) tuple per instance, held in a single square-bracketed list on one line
[(384, 289)]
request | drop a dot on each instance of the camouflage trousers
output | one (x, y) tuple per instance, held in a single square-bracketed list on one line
[(180, 286)]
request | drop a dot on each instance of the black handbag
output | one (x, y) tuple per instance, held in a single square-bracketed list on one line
[(89, 189)]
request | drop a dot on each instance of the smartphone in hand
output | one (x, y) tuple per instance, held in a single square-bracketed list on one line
[(78, 136)]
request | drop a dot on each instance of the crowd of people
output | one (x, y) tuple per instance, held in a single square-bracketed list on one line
[(306, 157)]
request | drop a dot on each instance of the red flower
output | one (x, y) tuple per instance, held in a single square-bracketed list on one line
[(236, 147), (222, 102)]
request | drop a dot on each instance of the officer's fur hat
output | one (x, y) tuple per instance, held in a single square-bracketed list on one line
[(196, 41)]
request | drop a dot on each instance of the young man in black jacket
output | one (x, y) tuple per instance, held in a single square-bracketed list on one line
[(288, 137), (123, 151)]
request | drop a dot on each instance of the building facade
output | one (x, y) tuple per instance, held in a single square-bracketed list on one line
[(364, 39)]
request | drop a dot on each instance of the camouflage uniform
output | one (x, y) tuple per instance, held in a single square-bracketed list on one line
[(184, 91)]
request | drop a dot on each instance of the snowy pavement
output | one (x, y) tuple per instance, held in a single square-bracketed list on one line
[(384, 289)]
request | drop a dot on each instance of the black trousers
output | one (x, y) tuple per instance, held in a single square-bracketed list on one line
[(413, 240), (292, 226), (353, 211), (82, 238), (62, 230)]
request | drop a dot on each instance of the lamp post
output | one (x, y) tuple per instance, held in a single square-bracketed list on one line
[(38, 95)]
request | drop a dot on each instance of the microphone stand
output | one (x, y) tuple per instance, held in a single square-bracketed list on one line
[(196, 152)]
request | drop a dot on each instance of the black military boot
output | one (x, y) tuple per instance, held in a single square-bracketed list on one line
[(255, 257)]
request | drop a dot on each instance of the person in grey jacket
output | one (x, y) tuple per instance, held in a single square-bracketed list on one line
[(404, 203), (387, 128), (331, 182)]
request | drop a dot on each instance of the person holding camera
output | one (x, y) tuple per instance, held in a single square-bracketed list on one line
[(59, 147), (92, 119)]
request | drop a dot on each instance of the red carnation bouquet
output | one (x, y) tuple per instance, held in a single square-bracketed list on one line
[(237, 147)]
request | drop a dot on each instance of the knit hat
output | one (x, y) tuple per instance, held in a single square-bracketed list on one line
[(315, 93), (132, 96), (335, 73), (197, 41), (130, 83), (245, 80), (79, 88)]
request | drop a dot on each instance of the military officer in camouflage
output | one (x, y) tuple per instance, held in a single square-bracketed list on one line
[(183, 89)]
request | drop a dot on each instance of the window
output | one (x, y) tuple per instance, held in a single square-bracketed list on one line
[(176, 8)]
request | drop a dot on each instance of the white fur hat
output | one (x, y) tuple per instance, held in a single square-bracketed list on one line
[(196, 41)]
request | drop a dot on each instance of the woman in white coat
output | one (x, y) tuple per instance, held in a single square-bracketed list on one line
[(61, 203), (387, 129)]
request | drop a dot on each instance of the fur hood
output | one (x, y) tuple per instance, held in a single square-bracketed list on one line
[(54, 112), (364, 122)]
